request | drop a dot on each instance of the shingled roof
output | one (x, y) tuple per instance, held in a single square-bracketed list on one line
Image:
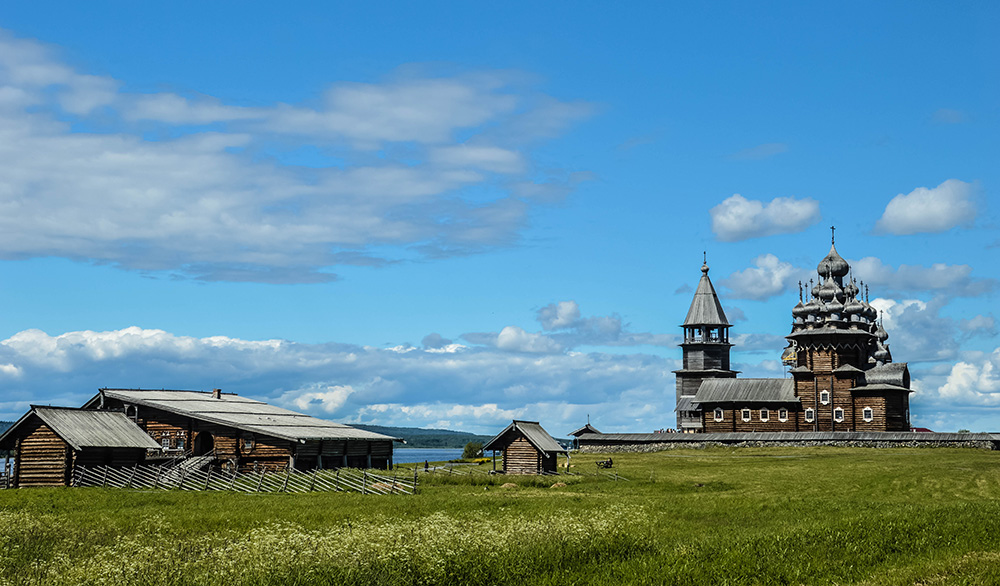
[(240, 413), (706, 310), (746, 390), (533, 432), (86, 429)]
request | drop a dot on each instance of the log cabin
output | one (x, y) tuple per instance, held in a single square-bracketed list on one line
[(48, 442), (841, 377), (527, 449), (244, 434)]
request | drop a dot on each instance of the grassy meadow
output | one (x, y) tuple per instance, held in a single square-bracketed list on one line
[(717, 516)]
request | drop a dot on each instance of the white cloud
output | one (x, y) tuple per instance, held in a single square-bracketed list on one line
[(917, 331), (556, 316), (974, 383), (482, 386), (739, 218), (327, 398), (939, 277), (939, 209), (768, 277), (516, 339), (211, 197)]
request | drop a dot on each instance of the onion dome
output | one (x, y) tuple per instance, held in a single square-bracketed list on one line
[(833, 264), (870, 313), (800, 310), (828, 291), (854, 307), (882, 354), (881, 335), (835, 306), (851, 290)]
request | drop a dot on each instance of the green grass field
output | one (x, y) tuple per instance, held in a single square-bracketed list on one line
[(719, 516)]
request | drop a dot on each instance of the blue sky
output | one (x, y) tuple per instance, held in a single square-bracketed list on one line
[(451, 215)]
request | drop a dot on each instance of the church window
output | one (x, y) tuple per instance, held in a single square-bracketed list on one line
[(824, 397), (782, 415), (868, 414), (810, 415), (838, 414), (718, 414), (765, 414), (746, 414)]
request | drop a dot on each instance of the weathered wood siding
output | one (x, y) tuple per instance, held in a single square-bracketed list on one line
[(248, 452), (732, 419), (520, 457), (42, 457)]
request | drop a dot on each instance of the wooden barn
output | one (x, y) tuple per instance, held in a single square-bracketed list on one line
[(241, 433), (47, 442), (586, 429), (527, 448)]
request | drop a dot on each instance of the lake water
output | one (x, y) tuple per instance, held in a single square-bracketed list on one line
[(410, 455)]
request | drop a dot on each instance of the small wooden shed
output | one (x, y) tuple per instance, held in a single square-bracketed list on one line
[(527, 448), (585, 430), (49, 441)]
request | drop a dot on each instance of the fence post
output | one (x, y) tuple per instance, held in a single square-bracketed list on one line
[(232, 481), (364, 481), (105, 482), (132, 477), (156, 480), (312, 481), (414, 479), (336, 481), (284, 486), (180, 486), (208, 477), (260, 482)]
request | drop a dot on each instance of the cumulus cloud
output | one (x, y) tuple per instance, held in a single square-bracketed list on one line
[(974, 383), (922, 210), (555, 316), (478, 388), (738, 218), (211, 196), (955, 280), (518, 340), (917, 330), (768, 277)]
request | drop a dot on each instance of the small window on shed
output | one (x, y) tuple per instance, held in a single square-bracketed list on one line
[(868, 414), (165, 442), (824, 397), (765, 414), (745, 414), (782, 415), (810, 415), (248, 443), (838, 414), (181, 443), (718, 414)]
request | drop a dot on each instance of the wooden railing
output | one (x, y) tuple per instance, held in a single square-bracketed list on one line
[(291, 481)]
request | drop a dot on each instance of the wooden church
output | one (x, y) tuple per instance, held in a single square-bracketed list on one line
[(842, 377)]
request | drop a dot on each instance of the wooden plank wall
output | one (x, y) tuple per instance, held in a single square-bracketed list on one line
[(42, 457), (520, 457)]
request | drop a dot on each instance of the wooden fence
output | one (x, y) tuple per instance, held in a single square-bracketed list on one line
[(471, 470), (291, 481)]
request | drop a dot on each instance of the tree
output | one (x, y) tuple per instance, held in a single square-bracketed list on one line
[(964, 431), (472, 450)]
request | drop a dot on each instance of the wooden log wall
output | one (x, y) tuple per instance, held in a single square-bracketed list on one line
[(732, 419), (42, 457), (520, 457)]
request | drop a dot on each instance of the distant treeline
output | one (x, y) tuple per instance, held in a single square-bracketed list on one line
[(427, 438)]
